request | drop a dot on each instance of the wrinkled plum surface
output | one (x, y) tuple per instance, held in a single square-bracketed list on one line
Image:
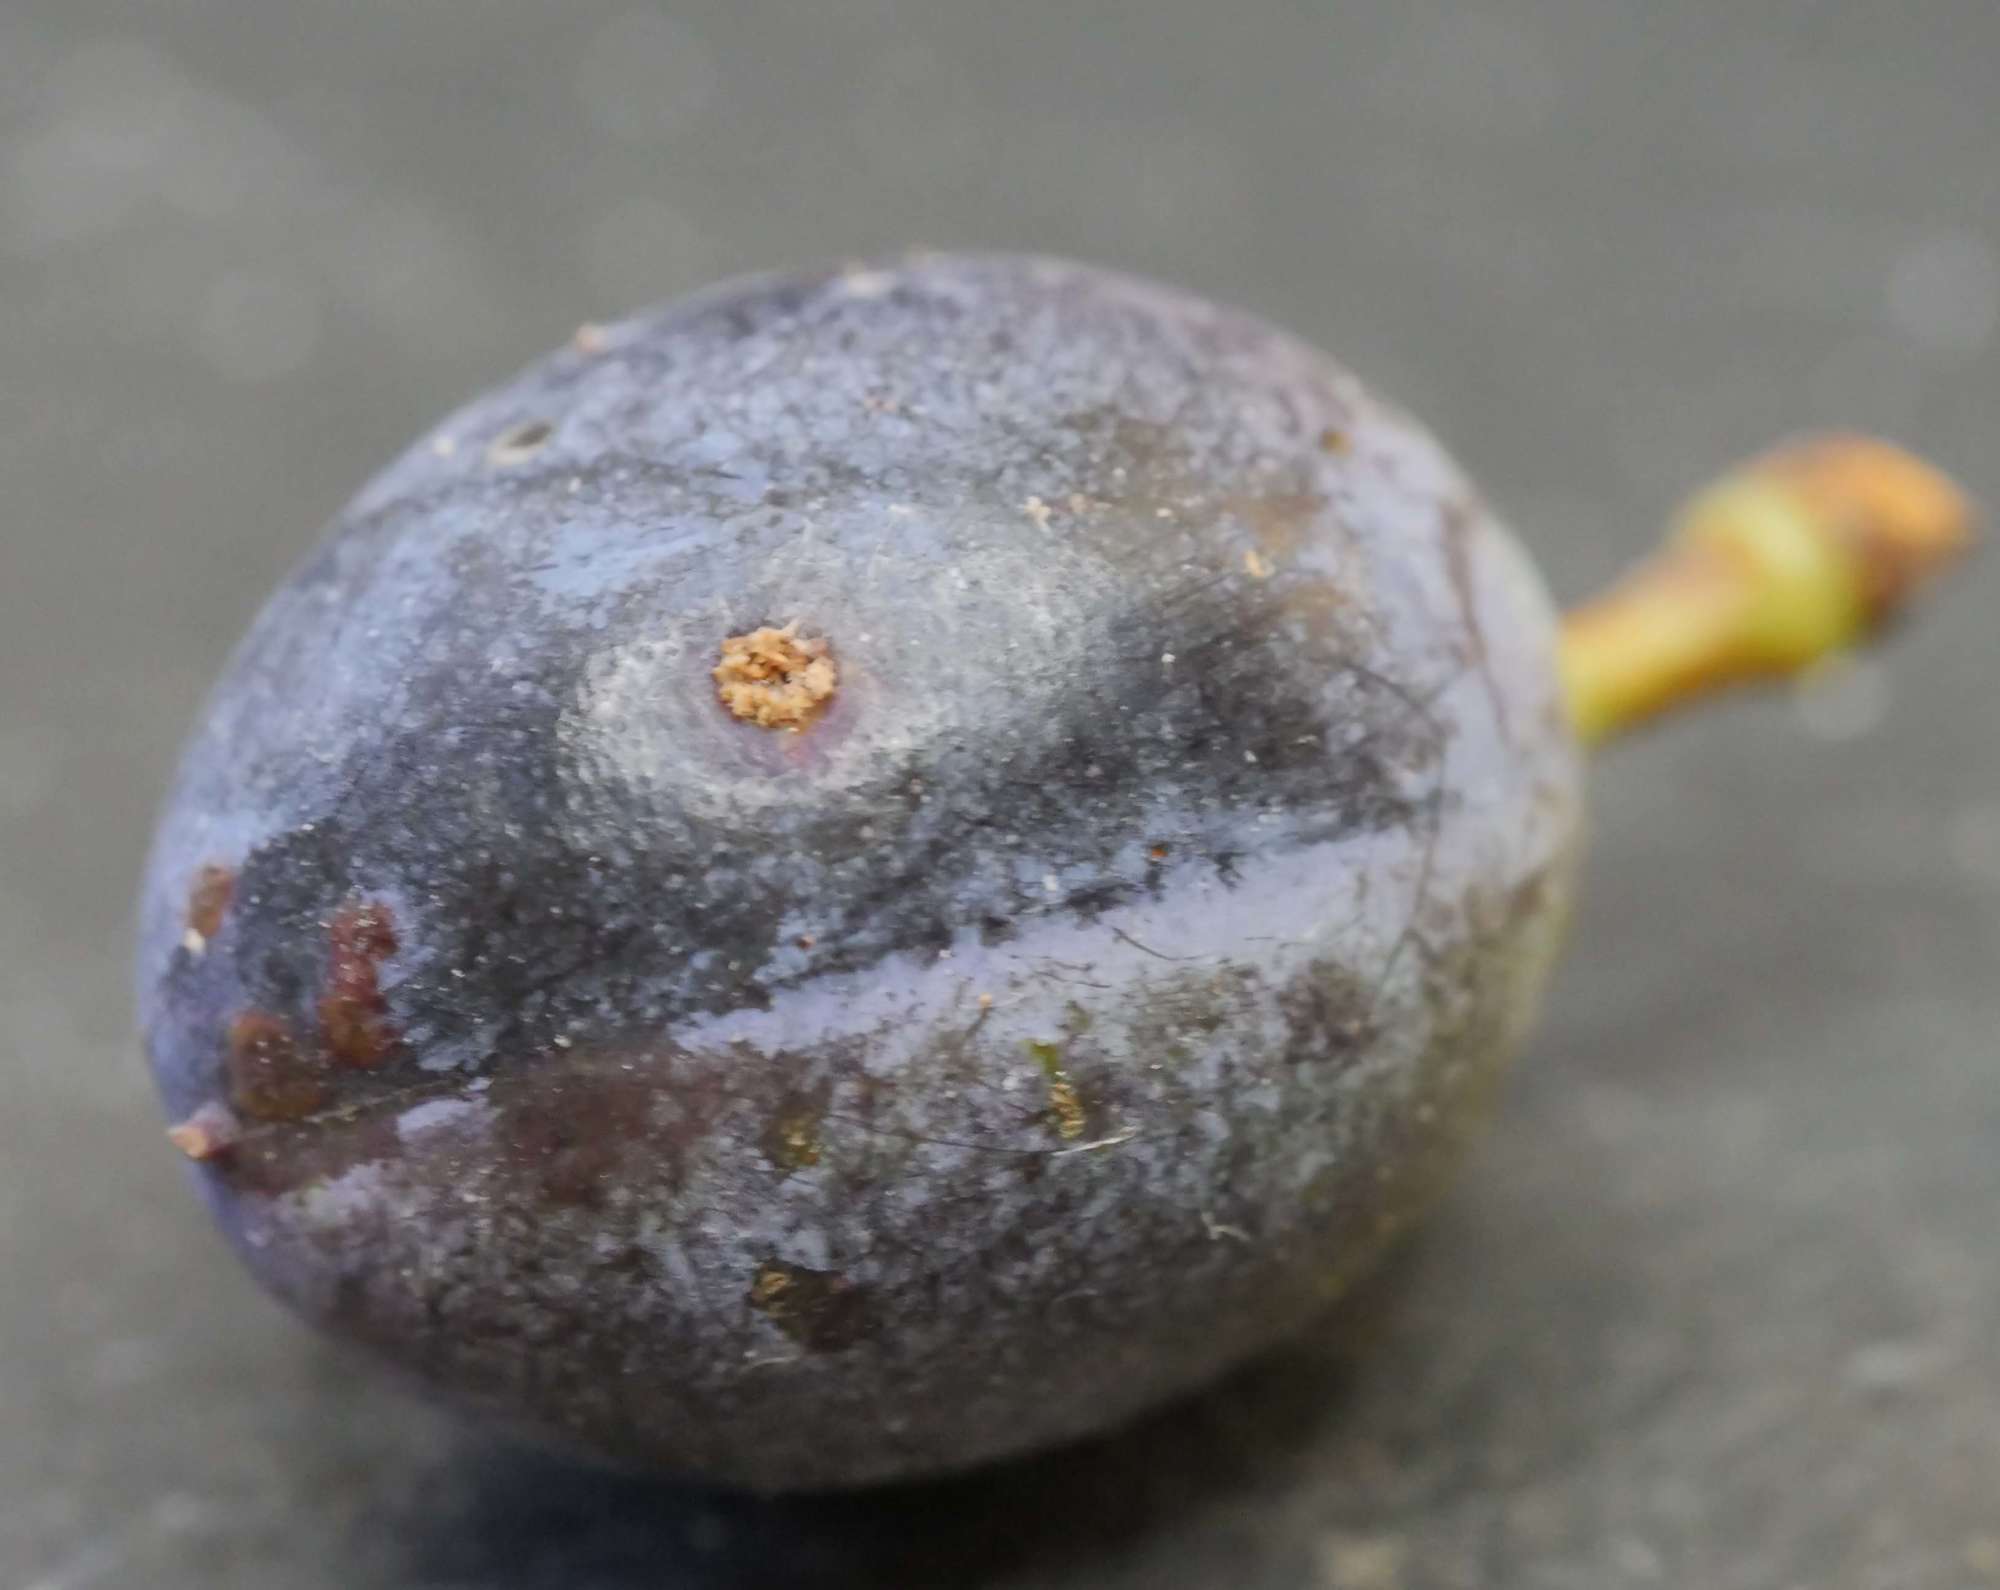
[(1082, 998)]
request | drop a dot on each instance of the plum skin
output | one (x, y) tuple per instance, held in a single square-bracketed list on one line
[(1092, 991)]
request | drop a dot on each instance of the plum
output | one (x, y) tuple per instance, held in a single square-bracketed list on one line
[(870, 871)]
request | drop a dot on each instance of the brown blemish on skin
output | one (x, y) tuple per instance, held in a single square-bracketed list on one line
[(353, 1015), (775, 678), (821, 1310), (577, 1147), (207, 1134), (1280, 521), (606, 1120), (208, 900), (1335, 441), (518, 443), (268, 1077), (1329, 1015)]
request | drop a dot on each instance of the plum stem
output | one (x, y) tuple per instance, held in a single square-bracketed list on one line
[(1798, 554)]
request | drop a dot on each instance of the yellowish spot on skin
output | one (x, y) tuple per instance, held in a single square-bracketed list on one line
[(776, 678), (1038, 511), (792, 1141), (820, 1310), (211, 1131), (1256, 565), (1065, 1106), (769, 1286), (1067, 1109)]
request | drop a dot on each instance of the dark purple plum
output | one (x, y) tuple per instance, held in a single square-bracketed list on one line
[(866, 872)]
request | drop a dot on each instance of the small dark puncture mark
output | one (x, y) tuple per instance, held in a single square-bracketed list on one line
[(353, 1015), (518, 443), (268, 1077), (209, 1133), (208, 903), (821, 1310)]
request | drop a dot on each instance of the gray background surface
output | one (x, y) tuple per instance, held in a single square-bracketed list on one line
[(1718, 1306)]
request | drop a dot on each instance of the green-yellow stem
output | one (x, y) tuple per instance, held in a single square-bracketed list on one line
[(1799, 554)]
